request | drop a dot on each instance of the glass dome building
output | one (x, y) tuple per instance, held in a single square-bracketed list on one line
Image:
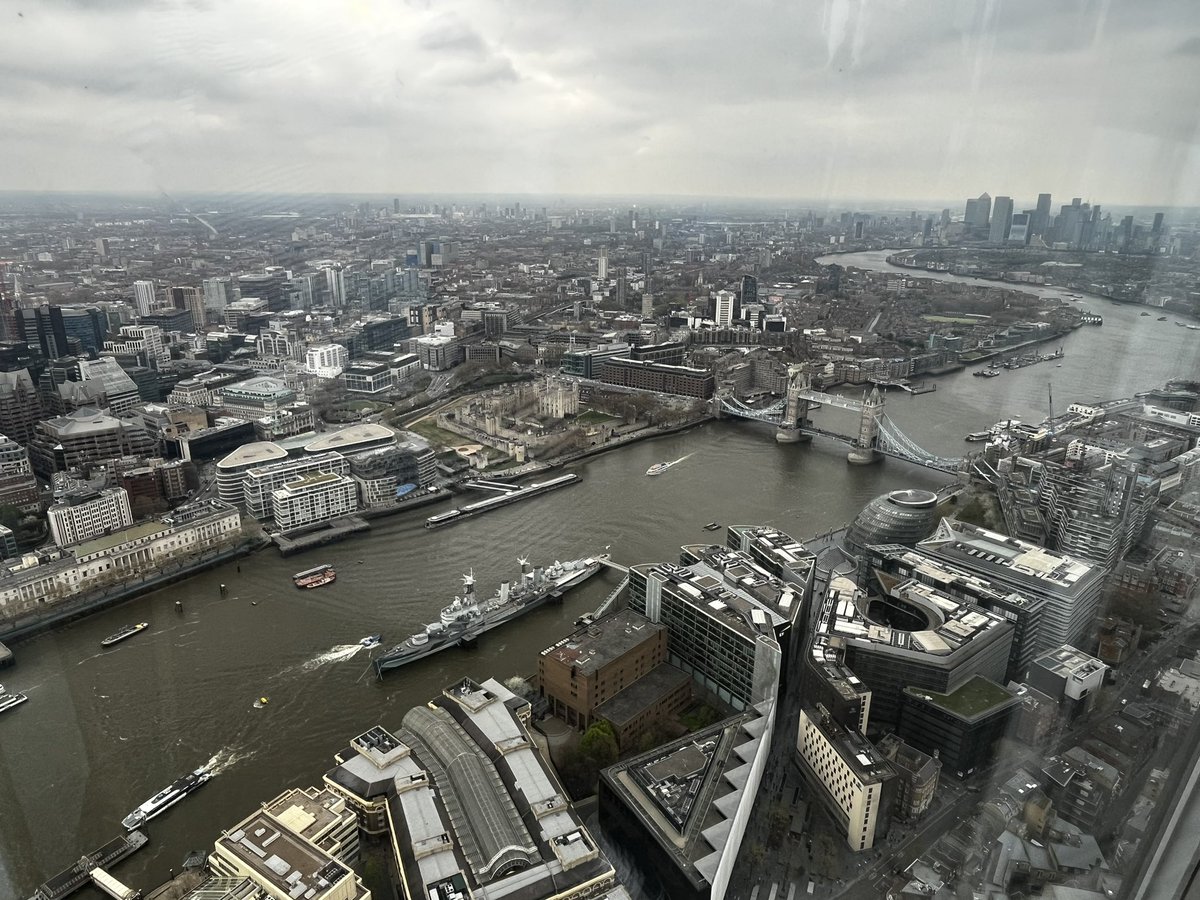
[(898, 517)]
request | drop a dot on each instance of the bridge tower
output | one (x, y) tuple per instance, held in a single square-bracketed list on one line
[(795, 415), (864, 452)]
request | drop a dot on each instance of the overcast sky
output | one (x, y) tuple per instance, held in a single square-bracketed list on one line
[(826, 100)]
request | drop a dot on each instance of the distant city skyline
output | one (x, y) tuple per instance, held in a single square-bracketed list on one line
[(822, 101)]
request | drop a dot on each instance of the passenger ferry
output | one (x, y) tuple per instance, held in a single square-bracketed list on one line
[(127, 632), (166, 798), (315, 577), (8, 701)]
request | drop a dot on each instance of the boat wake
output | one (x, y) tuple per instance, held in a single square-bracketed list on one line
[(339, 653), (225, 759)]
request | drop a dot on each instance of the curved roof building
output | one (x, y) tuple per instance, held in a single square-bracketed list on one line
[(353, 438), (898, 517), (247, 456)]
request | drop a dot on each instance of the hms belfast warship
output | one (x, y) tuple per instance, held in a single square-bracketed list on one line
[(468, 617)]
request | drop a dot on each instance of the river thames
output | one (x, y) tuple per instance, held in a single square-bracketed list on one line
[(105, 729)]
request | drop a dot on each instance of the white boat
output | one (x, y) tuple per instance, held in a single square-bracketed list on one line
[(166, 798), (8, 701), (659, 467)]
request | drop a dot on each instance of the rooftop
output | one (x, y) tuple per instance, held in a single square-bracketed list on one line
[(284, 860), (132, 533), (688, 791), (603, 641), (1068, 662), (465, 785), (1010, 559), (661, 681), (971, 701), (352, 437), (932, 570), (254, 454)]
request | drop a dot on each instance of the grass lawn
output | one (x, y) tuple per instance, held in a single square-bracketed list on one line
[(952, 320), (976, 696), (593, 417), (428, 430)]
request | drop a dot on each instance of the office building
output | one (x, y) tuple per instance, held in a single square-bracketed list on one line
[(312, 499), (120, 392), (354, 439), (681, 809), (469, 805), (85, 436), (218, 293), (438, 352), (1019, 229), (961, 727), (276, 853), (891, 563), (587, 363), (145, 342), (1070, 677), (18, 486), (326, 360), (602, 668), (978, 212), (1002, 215), (913, 635), (748, 291), (247, 456), (853, 781), (145, 297), (190, 300), (725, 309), (369, 378), (386, 474), (726, 619), (1040, 223), (60, 331), (779, 554), (20, 405), (267, 287), (81, 515), (602, 265), (898, 517), (1070, 587)]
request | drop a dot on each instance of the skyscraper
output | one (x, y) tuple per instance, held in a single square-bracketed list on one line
[(1018, 231), (724, 313), (218, 293), (978, 211), (143, 297), (748, 292), (602, 264), (1040, 223), (1002, 214)]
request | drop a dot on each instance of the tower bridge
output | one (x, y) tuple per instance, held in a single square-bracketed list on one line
[(877, 436)]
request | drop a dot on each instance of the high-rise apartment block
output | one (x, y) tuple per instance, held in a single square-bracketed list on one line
[(145, 297)]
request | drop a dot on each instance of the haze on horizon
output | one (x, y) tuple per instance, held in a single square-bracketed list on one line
[(810, 100)]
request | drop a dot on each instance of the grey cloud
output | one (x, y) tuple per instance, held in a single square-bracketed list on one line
[(889, 97), (1190, 47)]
